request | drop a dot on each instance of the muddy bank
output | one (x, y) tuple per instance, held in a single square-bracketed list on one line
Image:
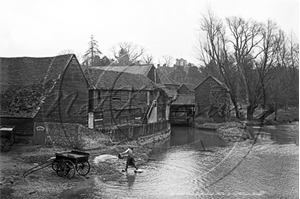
[(234, 132), (46, 184), (229, 131)]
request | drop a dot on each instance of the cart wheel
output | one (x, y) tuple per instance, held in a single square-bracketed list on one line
[(70, 169), (5, 146), (55, 165), (12, 140), (60, 168), (83, 168)]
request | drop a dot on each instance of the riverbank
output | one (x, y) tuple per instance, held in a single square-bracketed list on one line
[(228, 131), (46, 184), (180, 168), (236, 130)]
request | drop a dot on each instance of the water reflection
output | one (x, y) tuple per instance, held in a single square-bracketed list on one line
[(175, 167), (182, 135), (181, 168), (130, 178), (280, 134)]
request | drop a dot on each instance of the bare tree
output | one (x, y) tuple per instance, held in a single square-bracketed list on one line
[(213, 50), (127, 53), (254, 60), (66, 51), (245, 37), (167, 60), (266, 63), (148, 59)]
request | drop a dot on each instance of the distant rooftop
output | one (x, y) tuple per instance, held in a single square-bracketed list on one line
[(165, 79), (136, 69), (184, 99), (108, 79)]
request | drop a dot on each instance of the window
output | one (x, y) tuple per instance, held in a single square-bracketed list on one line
[(116, 96), (98, 118)]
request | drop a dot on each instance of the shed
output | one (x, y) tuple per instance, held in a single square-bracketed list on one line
[(182, 109), (46, 89), (121, 98), (203, 94)]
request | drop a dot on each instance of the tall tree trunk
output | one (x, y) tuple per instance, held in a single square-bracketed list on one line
[(236, 108), (275, 118), (250, 111), (271, 109)]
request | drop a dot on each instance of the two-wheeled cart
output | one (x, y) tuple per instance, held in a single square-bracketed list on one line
[(7, 137), (65, 164)]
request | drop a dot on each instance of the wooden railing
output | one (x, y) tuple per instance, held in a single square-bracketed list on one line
[(134, 132)]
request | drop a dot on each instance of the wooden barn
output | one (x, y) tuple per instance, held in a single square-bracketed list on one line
[(212, 99), (38, 90), (186, 89), (121, 98)]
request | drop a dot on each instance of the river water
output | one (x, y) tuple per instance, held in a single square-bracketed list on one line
[(196, 163)]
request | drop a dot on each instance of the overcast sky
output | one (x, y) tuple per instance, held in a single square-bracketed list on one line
[(39, 28)]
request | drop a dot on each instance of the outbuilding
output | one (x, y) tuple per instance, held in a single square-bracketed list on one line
[(39, 90), (212, 99), (121, 98)]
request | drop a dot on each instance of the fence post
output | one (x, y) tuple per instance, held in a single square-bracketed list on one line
[(161, 125), (130, 132)]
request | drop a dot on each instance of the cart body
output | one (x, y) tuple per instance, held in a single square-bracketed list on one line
[(7, 137), (66, 163)]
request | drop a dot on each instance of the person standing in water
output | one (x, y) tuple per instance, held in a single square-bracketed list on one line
[(130, 159)]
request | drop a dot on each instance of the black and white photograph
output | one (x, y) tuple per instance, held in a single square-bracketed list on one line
[(149, 99)]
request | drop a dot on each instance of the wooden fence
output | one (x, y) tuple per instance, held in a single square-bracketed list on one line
[(133, 132)]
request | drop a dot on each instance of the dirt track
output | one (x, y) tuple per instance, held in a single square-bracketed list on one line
[(46, 183)]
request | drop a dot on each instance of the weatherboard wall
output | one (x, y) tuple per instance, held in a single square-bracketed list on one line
[(202, 95), (68, 100), (183, 89), (23, 126), (120, 107)]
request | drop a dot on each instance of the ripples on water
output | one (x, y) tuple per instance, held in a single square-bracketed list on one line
[(175, 167), (280, 134), (193, 163)]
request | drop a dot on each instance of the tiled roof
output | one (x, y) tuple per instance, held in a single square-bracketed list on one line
[(216, 80), (165, 79), (170, 93), (136, 69), (106, 79), (26, 74), (184, 99), (190, 86)]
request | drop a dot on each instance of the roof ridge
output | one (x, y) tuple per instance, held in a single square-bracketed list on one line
[(59, 76), (169, 79), (47, 74)]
